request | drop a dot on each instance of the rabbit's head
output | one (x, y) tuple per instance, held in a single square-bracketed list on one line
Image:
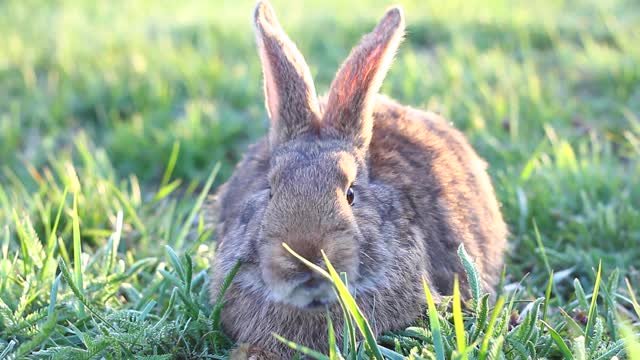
[(316, 192)]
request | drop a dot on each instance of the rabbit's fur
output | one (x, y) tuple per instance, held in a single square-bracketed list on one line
[(419, 192)]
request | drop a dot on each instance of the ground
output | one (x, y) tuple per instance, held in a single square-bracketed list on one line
[(117, 118)]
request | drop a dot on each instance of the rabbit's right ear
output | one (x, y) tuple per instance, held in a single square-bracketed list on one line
[(290, 96), (351, 96)]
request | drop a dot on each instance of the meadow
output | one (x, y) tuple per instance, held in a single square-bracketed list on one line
[(118, 118)]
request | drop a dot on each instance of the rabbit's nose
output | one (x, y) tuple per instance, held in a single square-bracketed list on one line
[(311, 281)]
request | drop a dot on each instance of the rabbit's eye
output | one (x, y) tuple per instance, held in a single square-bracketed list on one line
[(350, 195), (270, 193)]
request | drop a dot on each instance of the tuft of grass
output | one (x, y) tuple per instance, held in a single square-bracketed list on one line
[(111, 303)]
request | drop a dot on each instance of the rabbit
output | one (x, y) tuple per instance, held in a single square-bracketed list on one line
[(389, 193)]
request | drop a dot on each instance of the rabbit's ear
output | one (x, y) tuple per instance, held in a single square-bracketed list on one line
[(290, 96), (351, 96)]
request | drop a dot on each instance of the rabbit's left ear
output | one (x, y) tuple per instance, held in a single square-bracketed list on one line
[(288, 88), (351, 96)]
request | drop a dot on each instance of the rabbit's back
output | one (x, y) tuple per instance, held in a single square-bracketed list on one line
[(439, 181), (445, 190)]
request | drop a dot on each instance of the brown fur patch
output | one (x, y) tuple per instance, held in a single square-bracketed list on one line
[(348, 109)]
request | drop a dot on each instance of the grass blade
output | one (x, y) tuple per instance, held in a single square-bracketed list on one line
[(434, 322), (166, 190), (173, 159), (115, 243), (571, 323), (390, 354), (547, 296), (593, 309), (8, 349), (130, 209), (217, 307), (490, 328), (543, 253), (177, 264), (580, 295), (311, 265), (562, 346), (77, 251), (51, 242), (472, 275), (196, 208), (349, 334), (354, 310), (53, 296), (333, 353), (632, 295), (458, 322)]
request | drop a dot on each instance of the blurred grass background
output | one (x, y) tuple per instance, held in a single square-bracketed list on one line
[(95, 96), (548, 92)]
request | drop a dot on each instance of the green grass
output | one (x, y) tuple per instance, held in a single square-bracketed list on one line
[(114, 114)]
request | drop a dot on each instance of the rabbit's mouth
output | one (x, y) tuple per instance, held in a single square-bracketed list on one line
[(318, 304), (305, 293), (311, 297)]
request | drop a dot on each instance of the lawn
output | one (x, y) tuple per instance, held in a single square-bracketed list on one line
[(117, 118)]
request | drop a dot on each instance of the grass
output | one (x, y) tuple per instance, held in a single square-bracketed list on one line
[(114, 115)]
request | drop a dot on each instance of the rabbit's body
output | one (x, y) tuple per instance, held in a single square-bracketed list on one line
[(387, 191)]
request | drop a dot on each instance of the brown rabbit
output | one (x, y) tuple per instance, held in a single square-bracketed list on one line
[(387, 191)]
